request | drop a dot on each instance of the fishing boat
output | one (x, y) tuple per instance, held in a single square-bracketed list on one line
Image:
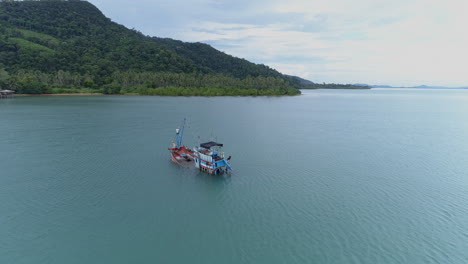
[(180, 154), (207, 157)]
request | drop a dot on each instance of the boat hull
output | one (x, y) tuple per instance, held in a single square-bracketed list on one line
[(182, 156)]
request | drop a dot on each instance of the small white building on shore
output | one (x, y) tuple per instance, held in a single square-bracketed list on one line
[(6, 94)]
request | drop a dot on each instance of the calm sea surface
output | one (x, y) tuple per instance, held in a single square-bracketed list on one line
[(369, 176)]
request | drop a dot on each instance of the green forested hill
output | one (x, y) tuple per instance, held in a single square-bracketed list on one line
[(207, 56), (69, 46)]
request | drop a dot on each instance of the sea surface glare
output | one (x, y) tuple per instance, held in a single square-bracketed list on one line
[(331, 176)]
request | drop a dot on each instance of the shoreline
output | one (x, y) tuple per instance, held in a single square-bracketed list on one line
[(136, 94), (56, 94)]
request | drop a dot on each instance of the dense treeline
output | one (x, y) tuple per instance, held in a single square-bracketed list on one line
[(160, 83)]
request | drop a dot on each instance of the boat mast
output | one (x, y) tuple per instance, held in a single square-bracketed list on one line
[(179, 134)]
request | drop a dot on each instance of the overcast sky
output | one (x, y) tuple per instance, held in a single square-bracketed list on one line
[(399, 42)]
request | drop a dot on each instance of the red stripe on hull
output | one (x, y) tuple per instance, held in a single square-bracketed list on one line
[(181, 156)]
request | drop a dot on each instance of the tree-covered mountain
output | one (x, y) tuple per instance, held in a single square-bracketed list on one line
[(70, 46), (67, 46)]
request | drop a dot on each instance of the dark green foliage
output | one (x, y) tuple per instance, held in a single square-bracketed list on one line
[(217, 61), (31, 87), (149, 82), (111, 88), (4, 77)]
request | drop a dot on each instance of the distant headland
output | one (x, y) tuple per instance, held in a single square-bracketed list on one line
[(414, 87)]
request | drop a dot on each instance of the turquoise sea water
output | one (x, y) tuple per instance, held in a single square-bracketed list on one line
[(369, 176)]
